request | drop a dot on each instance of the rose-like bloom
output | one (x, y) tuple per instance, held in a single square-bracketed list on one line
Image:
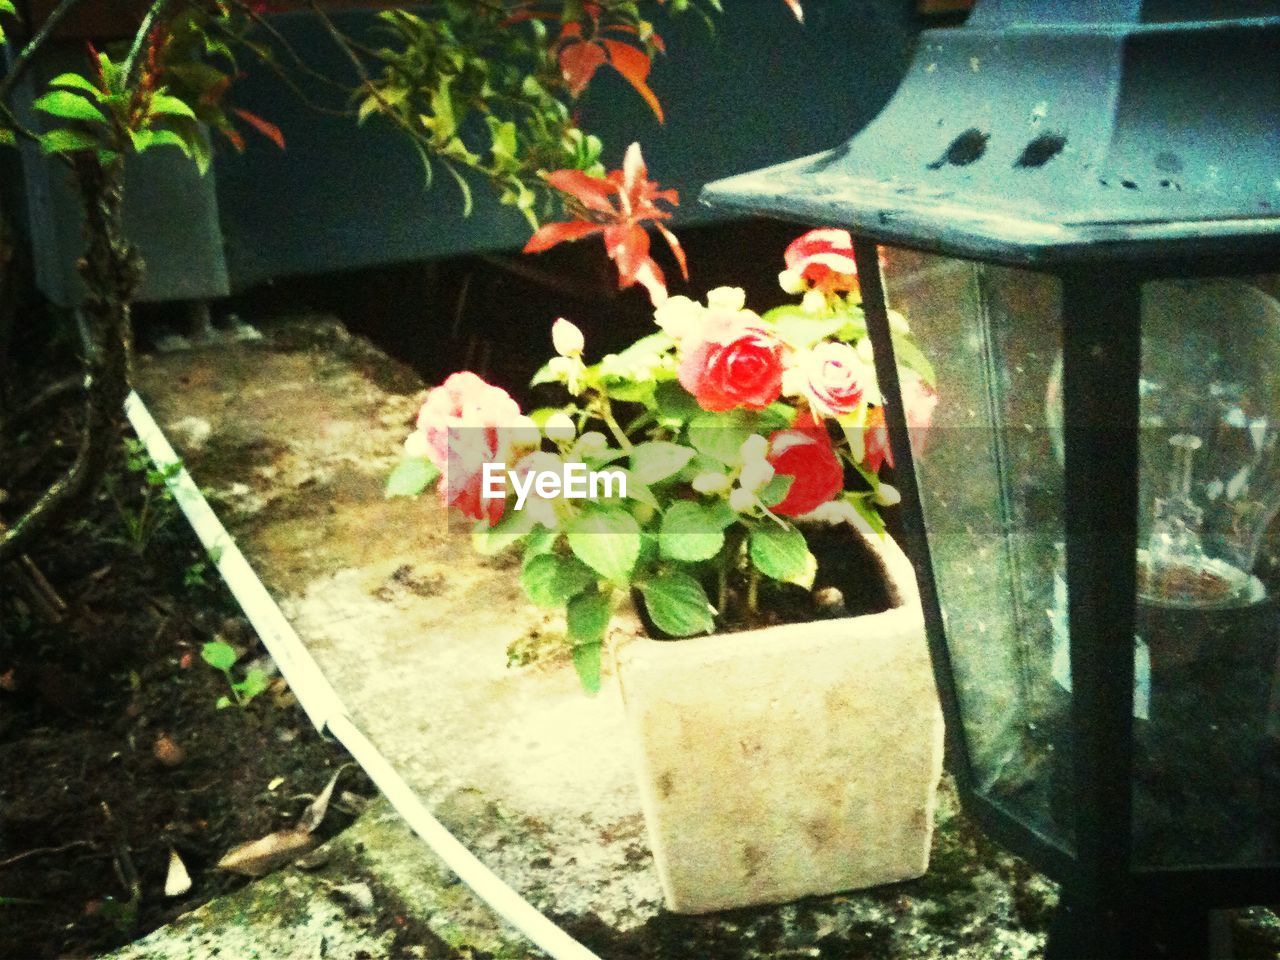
[(918, 400), (567, 338), (466, 423), (735, 363), (820, 260), (805, 453), (835, 378)]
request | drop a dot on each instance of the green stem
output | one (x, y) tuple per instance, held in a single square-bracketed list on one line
[(753, 595), (606, 414)]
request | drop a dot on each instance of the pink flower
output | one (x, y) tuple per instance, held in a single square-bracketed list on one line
[(918, 400), (834, 378), (805, 452), (466, 423), (735, 362), (820, 260)]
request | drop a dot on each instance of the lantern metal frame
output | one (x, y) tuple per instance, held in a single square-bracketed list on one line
[(1103, 238)]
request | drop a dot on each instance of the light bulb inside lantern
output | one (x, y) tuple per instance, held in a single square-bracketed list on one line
[(1209, 457)]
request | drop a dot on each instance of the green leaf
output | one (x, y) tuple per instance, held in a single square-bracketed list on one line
[(514, 525), (776, 490), (66, 105), (586, 660), (254, 682), (75, 81), (223, 703), (6, 6), (657, 460), (677, 604), (541, 540), (779, 552), (588, 617), (550, 580), (165, 105), (800, 328), (911, 356), (144, 140), (219, 655), (692, 531), (7, 138), (67, 141), (411, 476), (867, 510), (721, 435), (606, 539), (674, 402)]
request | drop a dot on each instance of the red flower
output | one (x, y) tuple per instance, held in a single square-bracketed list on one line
[(822, 260), (805, 453), (621, 222), (734, 363), (464, 424), (918, 399)]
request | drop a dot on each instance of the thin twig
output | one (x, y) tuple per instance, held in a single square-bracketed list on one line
[(126, 872), (154, 12), (23, 59), (41, 851)]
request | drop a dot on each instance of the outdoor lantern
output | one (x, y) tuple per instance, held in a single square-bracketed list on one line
[(1076, 207)]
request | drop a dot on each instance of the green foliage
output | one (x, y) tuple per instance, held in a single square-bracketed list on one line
[(411, 476), (142, 497), (222, 657), (677, 604)]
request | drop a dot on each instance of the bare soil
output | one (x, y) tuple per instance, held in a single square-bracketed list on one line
[(112, 752)]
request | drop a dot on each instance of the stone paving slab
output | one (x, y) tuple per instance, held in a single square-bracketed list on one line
[(415, 909), (291, 438)]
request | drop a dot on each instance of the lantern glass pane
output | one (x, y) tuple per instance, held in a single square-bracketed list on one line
[(1207, 729), (991, 492)]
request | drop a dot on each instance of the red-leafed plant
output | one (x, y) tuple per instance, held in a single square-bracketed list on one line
[(617, 205)]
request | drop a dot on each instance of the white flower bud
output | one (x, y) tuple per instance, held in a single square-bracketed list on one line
[(711, 483), (898, 323), (753, 448), (567, 338), (415, 445), (726, 298), (678, 316), (743, 501), (815, 301), (559, 427), (560, 368), (755, 474), (591, 444), (791, 281), (887, 495)]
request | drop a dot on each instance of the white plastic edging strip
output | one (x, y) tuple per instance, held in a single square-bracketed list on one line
[(324, 707)]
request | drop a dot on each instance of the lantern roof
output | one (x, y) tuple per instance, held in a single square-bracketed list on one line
[(1045, 132)]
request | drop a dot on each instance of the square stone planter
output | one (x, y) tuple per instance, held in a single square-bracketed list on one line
[(789, 761)]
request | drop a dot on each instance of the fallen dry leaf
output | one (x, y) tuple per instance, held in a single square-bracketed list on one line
[(178, 880), (257, 858), (313, 816)]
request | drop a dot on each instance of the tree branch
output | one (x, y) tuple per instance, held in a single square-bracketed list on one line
[(23, 59)]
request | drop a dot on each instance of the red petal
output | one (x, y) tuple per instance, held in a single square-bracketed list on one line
[(548, 235), (578, 64), (633, 63), (264, 127), (676, 249), (628, 247), (592, 192)]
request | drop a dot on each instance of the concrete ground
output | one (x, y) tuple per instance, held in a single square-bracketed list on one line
[(292, 438)]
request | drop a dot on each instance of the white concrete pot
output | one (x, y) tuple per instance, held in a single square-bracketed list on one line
[(788, 761)]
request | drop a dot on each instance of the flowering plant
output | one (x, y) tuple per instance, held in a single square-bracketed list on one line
[(729, 433)]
